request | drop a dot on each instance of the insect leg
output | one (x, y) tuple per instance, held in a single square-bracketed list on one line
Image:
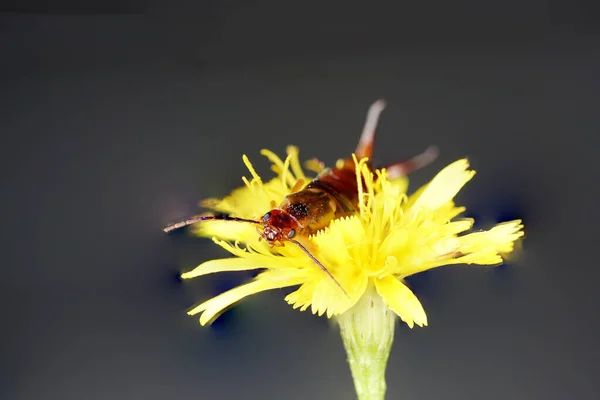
[(367, 138), (403, 168)]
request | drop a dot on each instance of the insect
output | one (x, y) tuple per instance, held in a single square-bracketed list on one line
[(331, 195)]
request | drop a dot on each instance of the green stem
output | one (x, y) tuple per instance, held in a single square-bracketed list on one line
[(368, 332)]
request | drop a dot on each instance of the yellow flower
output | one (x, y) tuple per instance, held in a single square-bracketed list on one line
[(393, 236)]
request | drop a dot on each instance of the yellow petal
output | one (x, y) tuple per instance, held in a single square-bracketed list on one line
[(211, 308), (260, 253), (302, 297), (226, 230), (274, 158), (221, 265), (295, 163), (401, 300), (486, 257), (455, 227), (242, 202), (500, 238), (483, 248), (447, 212), (253, 200), (320, 292), (399, 185), (445, 185), (394, 243), (314, 165), (250, 167), (337, 241), (328, 298), (323, 297)]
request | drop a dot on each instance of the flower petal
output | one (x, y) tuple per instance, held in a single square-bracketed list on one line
[(248, 164), (339, 240), (483, 248), (221, 265), (249, 201), (447, 212), (213, 307), (500, 238), (328, 298), (253, 199), (302, 297), (393, 243), (323, 298), (400, 299), (226, 230), (277, 166), (320, 292), (455, 227), (295, 162), (277, 258), (485, 257), (445, 185)]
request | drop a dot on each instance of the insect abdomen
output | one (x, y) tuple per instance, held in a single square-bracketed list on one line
[(340, 184), (333, 194)]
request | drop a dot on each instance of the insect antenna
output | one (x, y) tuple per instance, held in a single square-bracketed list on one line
[(200, 218), (305, 250)]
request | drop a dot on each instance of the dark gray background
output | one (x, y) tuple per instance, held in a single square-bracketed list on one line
[(116, 117)]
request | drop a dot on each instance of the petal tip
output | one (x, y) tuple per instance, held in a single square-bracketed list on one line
[(186, 275)]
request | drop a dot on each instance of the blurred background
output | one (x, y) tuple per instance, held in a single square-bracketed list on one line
[(116, 117)]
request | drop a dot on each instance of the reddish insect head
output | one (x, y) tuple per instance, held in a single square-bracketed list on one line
[(278, 226)]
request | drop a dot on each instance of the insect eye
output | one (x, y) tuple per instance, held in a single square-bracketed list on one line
[(266, 217), (291, 233)]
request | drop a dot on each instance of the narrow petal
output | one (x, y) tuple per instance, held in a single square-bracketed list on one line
[(485, 257), (325, 296), (295, 163), (226, 230), (500, 238), (286, 176), (221, 265), (249, 201), (214, 306), (314, 165), (483, 248), (456, 227), (398, 185), (337, 239), (274, 158), (250, 167), (445, 185), (447, 212), (401, 300), (390, 198), (302, 297), (393, 243), (322, 300), (328, 298), (260, 253)]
